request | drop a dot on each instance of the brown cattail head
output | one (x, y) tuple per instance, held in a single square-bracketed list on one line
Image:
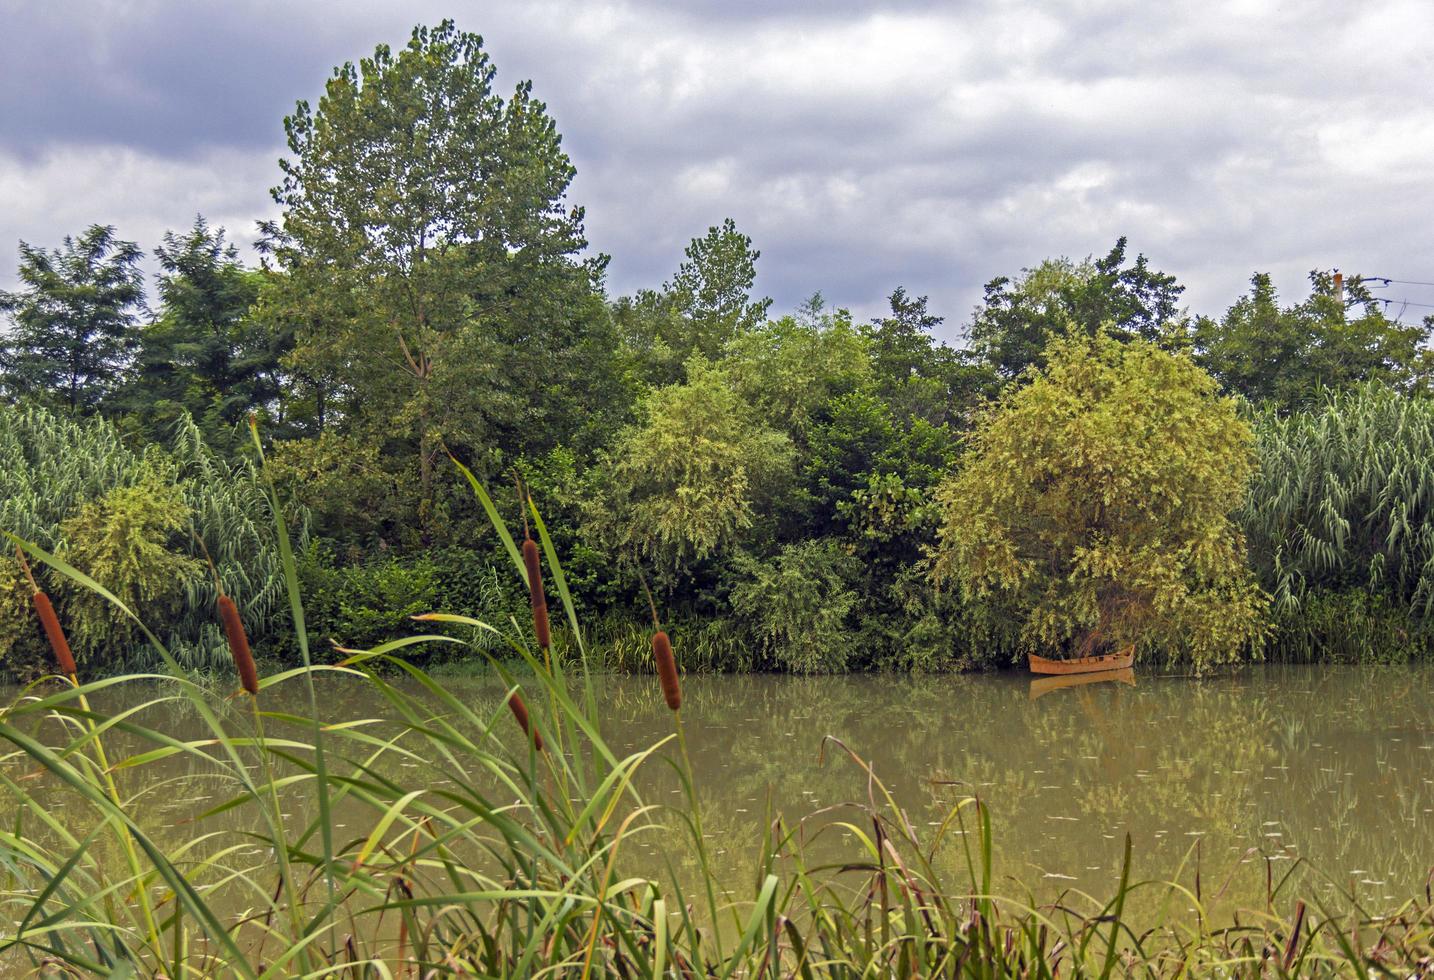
[(61, 646), (666, 670), (535, 592), (238, 644), (520, 712)]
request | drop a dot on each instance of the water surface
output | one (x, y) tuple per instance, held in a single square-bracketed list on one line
[(1324, 774)]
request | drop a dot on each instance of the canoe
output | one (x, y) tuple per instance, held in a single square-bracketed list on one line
[(1041, 686), (1083, 665)]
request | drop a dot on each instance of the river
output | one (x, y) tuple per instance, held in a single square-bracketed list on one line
[(1322, 773)]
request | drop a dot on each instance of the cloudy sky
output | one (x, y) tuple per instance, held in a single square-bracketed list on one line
[(863, 145)]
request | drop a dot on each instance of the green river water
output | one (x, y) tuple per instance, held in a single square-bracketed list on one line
[(1324, 774)]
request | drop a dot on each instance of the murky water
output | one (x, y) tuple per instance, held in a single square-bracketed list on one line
[(1324, 772)]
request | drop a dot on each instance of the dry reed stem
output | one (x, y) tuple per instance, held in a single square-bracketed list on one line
[(238, 644)]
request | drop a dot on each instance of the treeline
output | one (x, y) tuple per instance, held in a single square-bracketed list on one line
[(427, 292)]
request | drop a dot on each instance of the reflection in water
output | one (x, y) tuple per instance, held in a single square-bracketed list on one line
[(1042, 686), (1249, 776)]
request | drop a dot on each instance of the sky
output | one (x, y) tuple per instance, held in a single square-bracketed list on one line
[(862, 145)]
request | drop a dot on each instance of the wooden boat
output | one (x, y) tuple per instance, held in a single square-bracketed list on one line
[(1041, 686), (1083, 665)]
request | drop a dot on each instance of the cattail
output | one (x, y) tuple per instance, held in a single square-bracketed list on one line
[(520, 712), (666, 669), (238, 644), (535, 592), (55, 634)]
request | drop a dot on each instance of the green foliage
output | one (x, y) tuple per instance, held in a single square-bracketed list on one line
[(431, 258), (691, 477), (786, 370), (362, 605), (1287, 357), (1343, 500), (1019, 317), (914, 373), (124, 539), (74, 488), (203, 355), (713, 286), (795, 605), (73, 320), (1353, 626), (1095, 505)]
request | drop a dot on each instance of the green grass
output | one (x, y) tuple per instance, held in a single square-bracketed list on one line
[(492, 858)]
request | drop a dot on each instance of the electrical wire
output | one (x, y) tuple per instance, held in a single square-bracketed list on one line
[(1386, 280)]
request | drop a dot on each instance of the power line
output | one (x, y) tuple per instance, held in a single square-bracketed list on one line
[(1403, 302), (1387, 281)]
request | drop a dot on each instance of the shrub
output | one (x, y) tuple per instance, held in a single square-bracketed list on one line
[(123, 539), (795, 606), (72, 486)]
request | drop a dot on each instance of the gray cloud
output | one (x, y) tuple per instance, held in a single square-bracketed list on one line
[(863, 146)]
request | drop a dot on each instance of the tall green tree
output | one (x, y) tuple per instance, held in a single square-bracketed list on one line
[(73, 320), (427, 240), (1287, 356), (1018, 317), (915, 373), (204, 353), (713, 286)]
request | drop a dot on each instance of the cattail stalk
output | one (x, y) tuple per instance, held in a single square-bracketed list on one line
[(66, 661), (55, 635), (666, 670), (520, 713), (238, 644), (64, 658), (535, 593)]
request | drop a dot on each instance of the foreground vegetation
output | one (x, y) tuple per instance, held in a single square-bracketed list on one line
[(506, 846), (775, 474)]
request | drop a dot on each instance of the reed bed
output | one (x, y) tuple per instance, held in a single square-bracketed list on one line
[(507, 848)]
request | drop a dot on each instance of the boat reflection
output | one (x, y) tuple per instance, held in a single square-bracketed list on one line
[(1042, 686)]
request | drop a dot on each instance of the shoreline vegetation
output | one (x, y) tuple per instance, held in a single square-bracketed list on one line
[(800, 488), (503, 853)]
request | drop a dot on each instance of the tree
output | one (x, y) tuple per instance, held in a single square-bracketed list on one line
[(1285, 357), (204, 353), (428, 242), (919, 376), (713, 286), (787, 369), (73, 320), (1018, 317), (1094, 506), (691, 477)]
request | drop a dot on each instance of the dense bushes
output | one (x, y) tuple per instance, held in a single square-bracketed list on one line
[(130, 519)]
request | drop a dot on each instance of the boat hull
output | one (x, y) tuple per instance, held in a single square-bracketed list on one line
[(1083, 665)]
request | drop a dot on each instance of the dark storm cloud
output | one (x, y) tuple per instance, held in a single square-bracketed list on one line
[(862, 145)]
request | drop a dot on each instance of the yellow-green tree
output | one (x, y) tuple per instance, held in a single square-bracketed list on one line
[(1094, 503)]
